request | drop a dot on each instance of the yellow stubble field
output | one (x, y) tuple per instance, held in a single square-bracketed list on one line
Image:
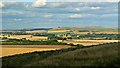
[(8, 50), (27, 37)]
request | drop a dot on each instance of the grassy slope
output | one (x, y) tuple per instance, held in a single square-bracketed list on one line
[(94, 56), (99, 29)]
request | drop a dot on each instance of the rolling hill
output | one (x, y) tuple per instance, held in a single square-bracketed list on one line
[(102, 55)]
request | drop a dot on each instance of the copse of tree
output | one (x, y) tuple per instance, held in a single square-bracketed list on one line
[(84, 31), (71, 44), (79, 46), (4, 38), (28, 42), (106, 36)]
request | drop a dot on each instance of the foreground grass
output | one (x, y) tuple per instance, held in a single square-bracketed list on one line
[(104, 55)]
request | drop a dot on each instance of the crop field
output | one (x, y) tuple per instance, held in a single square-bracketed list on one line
[(8, 50), (57, 30), (28, 37), (104, 55), (96, 33), (89, 42)]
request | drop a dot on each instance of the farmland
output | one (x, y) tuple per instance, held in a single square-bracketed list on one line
[(43, 45), (97, 33), (54, 33), (27, 37), (9, 50), (57, 30), (89, 42), (100, 55)]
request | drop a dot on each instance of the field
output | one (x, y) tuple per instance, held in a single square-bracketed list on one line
[(58, 30), (27, 37), (96, 33), (88, 42), (100, 55), (61, 47), (37, 31), (8, 50)]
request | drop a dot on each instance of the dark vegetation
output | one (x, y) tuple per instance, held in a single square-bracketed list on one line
[(50, 36), (74, 36), (28, 42), (83, 31), (106, 36), (99, 55)]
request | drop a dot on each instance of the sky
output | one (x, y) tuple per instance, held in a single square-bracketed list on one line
[(64, 0), (53, 14)]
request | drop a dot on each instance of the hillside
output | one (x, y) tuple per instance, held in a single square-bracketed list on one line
[(92, 28), (102, 55)]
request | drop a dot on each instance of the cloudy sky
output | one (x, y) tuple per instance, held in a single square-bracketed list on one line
[(51, 13)]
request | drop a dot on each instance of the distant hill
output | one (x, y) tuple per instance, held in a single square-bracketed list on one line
[(27, 29), (41, 29), (92, 28)]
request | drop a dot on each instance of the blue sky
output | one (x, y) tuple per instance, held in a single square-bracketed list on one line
[(66, 0), (21, 15)]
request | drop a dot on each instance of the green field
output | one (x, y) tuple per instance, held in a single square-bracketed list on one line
[(102, 55)]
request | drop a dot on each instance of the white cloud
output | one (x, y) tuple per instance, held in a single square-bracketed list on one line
[(9, 3), (26, 6), (48, 15), (95, 8), (39, 3), (86, 0), (1, 5), (77, 9), (17, 19), (76, 16), (109, 15), (112, 0), (80, 15), (56, 4)]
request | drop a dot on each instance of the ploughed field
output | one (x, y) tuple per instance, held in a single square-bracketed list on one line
[(99, 55), (8, 50)]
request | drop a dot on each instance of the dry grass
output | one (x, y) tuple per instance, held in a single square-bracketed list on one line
[(57, 30), (8, 50), (37, 38), (13, 51)]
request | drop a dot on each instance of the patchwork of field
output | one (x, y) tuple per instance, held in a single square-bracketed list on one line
[(27, 37), (89, 42), (104, 55), (8, 50)]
